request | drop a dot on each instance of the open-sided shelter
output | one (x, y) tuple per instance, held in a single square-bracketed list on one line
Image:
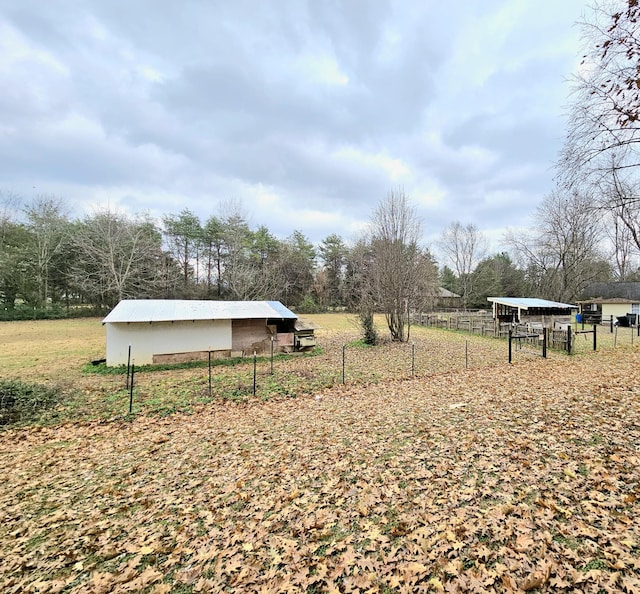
[(531, 310), (172, 330)]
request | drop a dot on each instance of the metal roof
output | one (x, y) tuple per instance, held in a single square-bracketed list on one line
[(445, 293), (610, 301), (171, 310), (530, 303)]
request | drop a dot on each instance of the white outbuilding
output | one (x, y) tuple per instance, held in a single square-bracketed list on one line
[(170, 330)]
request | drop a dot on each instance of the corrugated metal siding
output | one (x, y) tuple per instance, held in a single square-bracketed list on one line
[(167, 310)]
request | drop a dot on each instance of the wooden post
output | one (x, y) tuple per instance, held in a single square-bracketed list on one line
[(544, 343), (510, 353), (568, 340), (413, 359), (595, 344), (209, 374)]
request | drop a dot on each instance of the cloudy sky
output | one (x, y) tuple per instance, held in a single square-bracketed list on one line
[(308, 112)]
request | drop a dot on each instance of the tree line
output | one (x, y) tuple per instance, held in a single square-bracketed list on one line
[(48, 259)]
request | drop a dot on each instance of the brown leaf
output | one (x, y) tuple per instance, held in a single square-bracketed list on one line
[(535, 580)]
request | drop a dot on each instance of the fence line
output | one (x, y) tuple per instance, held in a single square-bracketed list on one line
[(607, 334), (474, 323), (424, 357)]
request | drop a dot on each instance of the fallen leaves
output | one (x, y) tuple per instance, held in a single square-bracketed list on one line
[(532, 485)]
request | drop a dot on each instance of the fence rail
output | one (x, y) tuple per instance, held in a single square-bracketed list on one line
[(480, 324)]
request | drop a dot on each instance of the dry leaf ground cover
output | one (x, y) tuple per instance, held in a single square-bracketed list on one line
[(494, 478)]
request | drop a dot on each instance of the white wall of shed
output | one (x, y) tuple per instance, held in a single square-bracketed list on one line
[(164, 338)]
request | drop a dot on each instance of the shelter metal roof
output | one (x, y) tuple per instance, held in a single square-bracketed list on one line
[(530, 303), (168, 310)]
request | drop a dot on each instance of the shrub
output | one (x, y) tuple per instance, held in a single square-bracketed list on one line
[(54, 312), (309, 306), (369, 332), (21, 402)]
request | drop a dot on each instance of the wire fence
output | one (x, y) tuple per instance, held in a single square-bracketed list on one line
[(343, 360), (574, 338)]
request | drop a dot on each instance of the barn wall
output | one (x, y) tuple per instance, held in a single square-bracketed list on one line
[(161, 338), (250, 336)]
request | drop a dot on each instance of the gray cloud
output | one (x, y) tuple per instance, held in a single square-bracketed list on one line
[(308, 112)]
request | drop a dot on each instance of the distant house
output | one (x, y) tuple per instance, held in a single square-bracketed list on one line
[(596, 311), (167, 330), (446, 299), (531, 310), (603, 302)]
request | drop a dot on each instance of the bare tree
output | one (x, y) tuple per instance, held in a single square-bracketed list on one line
[(118, 258), (9, 205), (619, 194), (396, 267), (49, 227), (618, 205), (248, 283), (624, 252), (604, 115), (463, 248), (561, 254)]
